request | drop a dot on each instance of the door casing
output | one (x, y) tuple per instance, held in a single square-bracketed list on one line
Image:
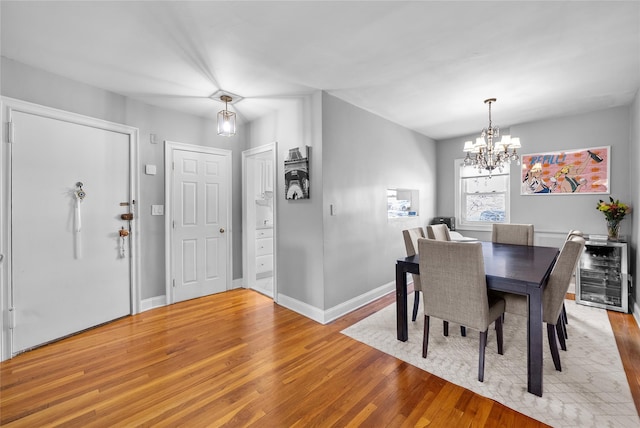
[(169, 147), (249, 228), (9, 105)]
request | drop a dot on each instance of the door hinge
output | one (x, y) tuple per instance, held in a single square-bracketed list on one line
[(174, 282), (10, 134), (173, 224), (173, 166), (11, 318)]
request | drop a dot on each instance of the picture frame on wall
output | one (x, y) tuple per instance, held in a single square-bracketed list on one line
[(296, 174), (567, 172)]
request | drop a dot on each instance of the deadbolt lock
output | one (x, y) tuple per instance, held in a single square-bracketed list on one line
[(222, 230), (126, 216)]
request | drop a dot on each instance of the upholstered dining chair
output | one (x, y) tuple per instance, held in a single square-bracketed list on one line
[(518, 234), (565, 319), (439, 232), (411, 237), (454, 289), (553, 296)]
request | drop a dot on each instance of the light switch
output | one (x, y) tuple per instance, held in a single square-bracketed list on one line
[(150, 169), (157, 209)]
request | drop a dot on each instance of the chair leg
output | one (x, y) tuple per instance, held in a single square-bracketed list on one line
[(553, 345), (463, 331), (425, 337), (565, 321), (416, 303), (499, 336), (445, 328), (560, 332), (483, 344), (502, 318)]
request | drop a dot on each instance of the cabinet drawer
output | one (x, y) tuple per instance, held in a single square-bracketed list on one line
[(264, 246), (264, 263), (264, 233)]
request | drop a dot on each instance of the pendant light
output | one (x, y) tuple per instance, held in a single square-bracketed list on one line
[(226, 119)]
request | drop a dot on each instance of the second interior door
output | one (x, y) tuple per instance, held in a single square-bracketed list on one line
[(200, 220)]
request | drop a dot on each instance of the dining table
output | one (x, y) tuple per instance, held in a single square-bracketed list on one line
[(518, 269)]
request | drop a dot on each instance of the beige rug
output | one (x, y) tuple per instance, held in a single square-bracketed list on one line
[(591, 390)]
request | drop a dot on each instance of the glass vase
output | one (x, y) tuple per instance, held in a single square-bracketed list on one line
[(613, 229)]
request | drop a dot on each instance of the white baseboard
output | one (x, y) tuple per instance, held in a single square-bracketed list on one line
[(324, 317), (636, 312), (152, 303)]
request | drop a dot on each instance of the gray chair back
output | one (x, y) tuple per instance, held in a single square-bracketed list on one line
[(439, 232), (574, 232), (411, 237), (454, 286), (518, 234), (556, 289)]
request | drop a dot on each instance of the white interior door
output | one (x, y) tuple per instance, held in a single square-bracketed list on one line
[(200, 233), (69, 271)]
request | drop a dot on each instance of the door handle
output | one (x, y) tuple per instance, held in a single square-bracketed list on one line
[(222, 230)]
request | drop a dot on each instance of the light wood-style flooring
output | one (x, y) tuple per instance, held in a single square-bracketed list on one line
[(237, 359)]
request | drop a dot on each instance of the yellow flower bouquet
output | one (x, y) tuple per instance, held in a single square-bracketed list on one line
[(614, 211)]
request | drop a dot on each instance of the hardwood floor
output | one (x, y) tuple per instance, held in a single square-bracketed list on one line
[(237, 359)]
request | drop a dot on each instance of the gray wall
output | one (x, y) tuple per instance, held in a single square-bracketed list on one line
[(634, 189), (37, 86), (296, 123), (617, 127), (363, 155), (555, 213)]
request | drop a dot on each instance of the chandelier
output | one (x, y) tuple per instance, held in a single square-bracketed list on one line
[(487, 153)]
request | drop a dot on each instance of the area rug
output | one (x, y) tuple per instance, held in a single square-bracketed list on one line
[(591, 390)]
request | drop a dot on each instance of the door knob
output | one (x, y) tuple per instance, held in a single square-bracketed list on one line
[(222, 230)]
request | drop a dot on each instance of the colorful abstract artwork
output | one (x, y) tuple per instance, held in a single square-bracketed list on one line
[(567, 172)]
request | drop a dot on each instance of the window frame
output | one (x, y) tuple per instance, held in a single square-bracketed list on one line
[(486, 226)]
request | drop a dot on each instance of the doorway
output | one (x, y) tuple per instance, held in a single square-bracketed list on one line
[(198, 197), (259, 219), (71, 257)]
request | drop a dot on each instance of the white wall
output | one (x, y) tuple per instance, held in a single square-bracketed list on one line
[(37, 86)]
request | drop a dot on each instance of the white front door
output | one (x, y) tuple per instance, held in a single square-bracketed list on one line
[(199, 216), (71, 270)]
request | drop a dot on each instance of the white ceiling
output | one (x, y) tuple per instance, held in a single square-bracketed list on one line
[(425, 65)]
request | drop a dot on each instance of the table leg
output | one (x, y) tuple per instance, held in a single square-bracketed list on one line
[(401, 304), (534, 342)]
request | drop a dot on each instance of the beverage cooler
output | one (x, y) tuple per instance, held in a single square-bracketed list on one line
[(602, 278)]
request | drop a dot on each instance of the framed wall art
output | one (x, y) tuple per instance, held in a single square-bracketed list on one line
[(566, 172), (296, 174)]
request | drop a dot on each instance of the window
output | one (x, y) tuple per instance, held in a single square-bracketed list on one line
[(402, 203), (481, 200)]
